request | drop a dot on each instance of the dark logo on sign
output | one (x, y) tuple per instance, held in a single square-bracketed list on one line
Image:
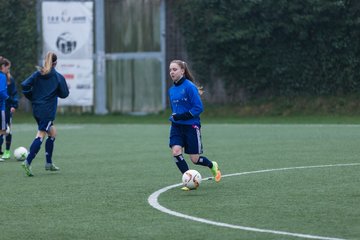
[(66, 43)]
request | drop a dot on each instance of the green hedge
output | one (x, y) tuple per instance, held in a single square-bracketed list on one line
[(275, 48), (19, 36)]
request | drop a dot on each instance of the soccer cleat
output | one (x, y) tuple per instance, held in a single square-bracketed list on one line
[(51, 167), (216, 171), (185, 189), (2, 160), (27, 168), (188, 189), (6, 155)]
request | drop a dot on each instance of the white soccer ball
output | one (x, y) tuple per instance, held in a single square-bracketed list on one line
[(20, 153), (191, 179)]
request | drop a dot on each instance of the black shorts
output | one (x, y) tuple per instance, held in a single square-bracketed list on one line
[(44, 124), (186, 136)]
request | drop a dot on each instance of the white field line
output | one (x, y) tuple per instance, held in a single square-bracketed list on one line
[(153, 201)]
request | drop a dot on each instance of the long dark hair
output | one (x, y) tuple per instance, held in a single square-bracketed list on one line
[(8, 74), (188, 74), (6, 62)]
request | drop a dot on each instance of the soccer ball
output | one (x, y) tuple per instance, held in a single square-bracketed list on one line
[(191, 179), (20, 153)]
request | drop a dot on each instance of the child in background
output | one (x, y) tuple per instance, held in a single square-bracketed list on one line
[(43, 88), (10, 108), (4, 69)]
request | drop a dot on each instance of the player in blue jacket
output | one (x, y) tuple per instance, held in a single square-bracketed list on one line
[(43, 88), (4, 69), (186, 106), (10, 108)]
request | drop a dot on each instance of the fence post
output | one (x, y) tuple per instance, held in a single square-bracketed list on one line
[(100, 80)]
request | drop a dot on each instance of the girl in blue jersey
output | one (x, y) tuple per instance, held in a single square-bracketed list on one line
[(186, 106), (4, 69), (10, 108), (43, 88)]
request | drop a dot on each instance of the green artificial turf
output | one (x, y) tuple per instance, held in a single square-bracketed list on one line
[(108, 171)]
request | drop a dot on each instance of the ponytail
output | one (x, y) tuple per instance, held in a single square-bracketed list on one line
[(50, 61)]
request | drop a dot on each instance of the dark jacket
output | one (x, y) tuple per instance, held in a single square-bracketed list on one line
[(13, 100), (43, 92)]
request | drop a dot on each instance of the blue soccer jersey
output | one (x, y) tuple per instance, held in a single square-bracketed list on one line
[(3, 91), (184, 97)]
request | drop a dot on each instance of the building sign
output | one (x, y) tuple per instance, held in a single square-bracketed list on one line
[(68, 31)]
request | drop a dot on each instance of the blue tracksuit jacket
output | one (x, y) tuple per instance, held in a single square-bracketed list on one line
[(184, 97), (43, 92), (3, 91)]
